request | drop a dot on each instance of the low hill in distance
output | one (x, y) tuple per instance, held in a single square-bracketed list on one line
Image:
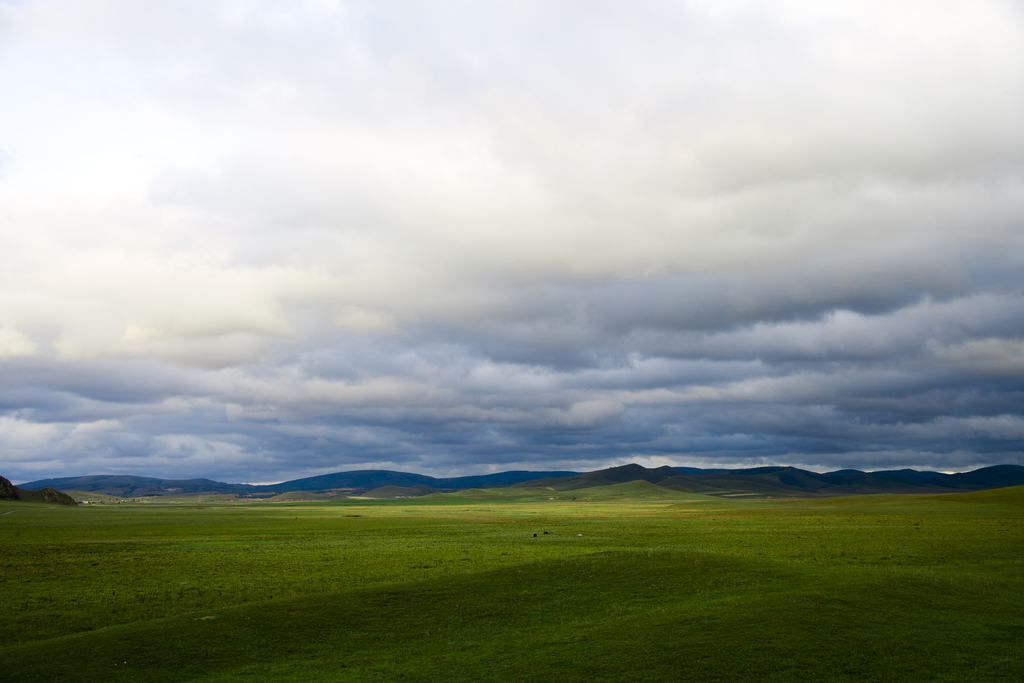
[(792, 482), (638, 491), (352, 483), (787, 482), (303, 495), (127, 486), (361, 481)]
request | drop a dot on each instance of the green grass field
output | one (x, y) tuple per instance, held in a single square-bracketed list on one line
[(630, 584)]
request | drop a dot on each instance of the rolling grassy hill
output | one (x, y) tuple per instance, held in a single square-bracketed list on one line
[(791, 481), (301, 495), (399, 491), (612, 475), (637, 490)]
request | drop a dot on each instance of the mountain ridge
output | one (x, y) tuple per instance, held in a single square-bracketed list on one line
[(765, 481)]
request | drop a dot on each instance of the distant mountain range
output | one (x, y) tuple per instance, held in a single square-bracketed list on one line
[(758, 481), (355, 482)]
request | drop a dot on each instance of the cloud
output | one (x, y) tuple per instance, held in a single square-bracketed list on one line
[(21, 436), (249, 240), (15, 343)]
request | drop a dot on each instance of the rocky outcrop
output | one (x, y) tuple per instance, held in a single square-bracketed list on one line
[(55, 496), (9, 491)]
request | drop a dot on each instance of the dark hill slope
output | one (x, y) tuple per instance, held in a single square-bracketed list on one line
[(906, 476), (612, 475), (985, 478)]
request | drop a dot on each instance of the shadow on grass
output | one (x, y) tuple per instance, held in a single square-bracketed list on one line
[(629, 616)]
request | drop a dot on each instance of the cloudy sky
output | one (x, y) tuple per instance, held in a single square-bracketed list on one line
[(254, 241)]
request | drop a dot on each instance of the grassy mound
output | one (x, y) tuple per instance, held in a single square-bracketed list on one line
[(1010, 494), (634, 491), (302, 495), (398, 492)]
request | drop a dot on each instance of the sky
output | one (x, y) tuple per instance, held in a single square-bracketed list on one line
[(255, 241)]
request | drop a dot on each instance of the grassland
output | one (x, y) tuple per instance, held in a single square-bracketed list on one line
[(629, 584)]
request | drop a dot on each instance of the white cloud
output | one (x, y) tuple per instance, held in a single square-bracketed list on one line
[(15, 343), (19, 437)]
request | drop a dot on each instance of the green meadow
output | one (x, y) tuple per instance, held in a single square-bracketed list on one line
[(629, 583)]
